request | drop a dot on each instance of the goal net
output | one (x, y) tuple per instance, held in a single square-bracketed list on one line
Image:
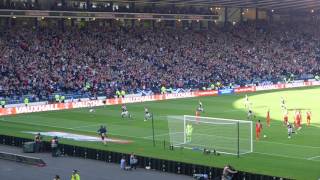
[(227, 136)]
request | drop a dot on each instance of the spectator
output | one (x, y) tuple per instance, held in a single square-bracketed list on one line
[(55, 147), (75, 175), (133, 161), (38, 142), (57, 177), (123, 163), (228, 172)]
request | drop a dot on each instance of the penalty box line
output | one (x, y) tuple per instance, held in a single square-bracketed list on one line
[(160, 135), (85, 126)]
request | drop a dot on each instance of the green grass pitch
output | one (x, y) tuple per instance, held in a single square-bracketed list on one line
[(297, 158)]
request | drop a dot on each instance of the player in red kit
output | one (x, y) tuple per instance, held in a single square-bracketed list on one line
[(258, 129), (197, 115), (295, 117), (268, 118), (308, 117), (297, 120), (285, 118)]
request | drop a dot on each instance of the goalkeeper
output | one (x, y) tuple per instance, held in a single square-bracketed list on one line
[(189, 130)]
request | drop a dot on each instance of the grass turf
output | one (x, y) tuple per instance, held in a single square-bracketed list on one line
[(297, 158)]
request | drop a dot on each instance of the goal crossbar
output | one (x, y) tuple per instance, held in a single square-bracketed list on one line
[(222, 119)]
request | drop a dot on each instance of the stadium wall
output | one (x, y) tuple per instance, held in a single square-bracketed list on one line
[(84, 103)]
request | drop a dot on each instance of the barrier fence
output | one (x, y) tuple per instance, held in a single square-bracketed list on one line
[(154, 163)]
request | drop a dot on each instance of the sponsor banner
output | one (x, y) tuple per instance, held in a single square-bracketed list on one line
[(270, 87), (207, 93), (315, 83), (294, 84), (299, 84), (78, 137), (226, 91), (84, 104), (37, 108), (40, 107), (7, 111), (245, 89), (179, 95), (133, 99)]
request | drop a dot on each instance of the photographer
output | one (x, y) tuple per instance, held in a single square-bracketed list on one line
[(228, 173)]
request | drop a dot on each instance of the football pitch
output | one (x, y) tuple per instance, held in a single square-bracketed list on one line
[(275, 154)]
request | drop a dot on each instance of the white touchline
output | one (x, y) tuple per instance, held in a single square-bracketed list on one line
[(314, 157)]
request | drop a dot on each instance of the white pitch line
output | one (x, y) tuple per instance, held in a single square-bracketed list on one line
[(143, 137), (278, 155), (284, 156), (314, 157), (90, 125), (295, 145), (52, 126), (160, 135)]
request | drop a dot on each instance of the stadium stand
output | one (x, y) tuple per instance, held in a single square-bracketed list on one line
[(96, 61)]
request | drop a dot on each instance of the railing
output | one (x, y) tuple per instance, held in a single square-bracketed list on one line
[(103, 15), (154, 163)]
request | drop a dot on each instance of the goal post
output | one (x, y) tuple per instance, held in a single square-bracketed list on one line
[(228, 136)]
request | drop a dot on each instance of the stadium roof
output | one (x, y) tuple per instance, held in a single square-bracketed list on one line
[(281, 5)]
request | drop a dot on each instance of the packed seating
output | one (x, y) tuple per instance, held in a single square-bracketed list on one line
[(43, 61)]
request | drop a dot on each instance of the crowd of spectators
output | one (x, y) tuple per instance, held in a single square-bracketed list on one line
[(99, 60)]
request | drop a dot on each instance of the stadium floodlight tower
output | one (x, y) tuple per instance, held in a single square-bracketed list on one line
[(227, 136)]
